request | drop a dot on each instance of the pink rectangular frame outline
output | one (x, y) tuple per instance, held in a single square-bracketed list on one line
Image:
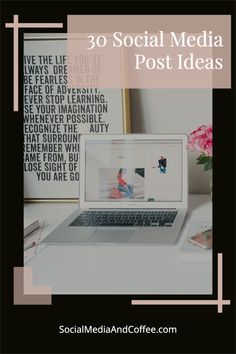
[(219, 301), (15, 26)]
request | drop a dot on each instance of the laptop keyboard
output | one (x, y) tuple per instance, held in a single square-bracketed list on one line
[(125, 218)]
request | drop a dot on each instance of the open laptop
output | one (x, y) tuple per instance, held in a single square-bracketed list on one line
[(133, 190)]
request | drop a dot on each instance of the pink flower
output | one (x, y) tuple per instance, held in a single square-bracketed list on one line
[(201, 140)]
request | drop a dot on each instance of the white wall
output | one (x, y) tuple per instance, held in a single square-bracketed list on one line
[(169, 111), (174, 111)]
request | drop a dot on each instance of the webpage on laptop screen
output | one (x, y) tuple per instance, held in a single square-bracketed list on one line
[(140, 170)]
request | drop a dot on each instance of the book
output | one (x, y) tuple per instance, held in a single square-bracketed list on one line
[(32, 240), (30, 225)]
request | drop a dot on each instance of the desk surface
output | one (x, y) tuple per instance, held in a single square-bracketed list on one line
[(75, 269)]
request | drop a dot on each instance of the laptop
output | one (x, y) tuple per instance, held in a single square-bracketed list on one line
[(133, 189)]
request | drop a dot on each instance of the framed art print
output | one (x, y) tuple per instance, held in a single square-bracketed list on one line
[(55, 115)]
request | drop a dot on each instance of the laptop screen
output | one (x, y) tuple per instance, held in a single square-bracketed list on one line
[(133, 170)]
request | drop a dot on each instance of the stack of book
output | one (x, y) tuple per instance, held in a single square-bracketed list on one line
[(30, 225), (32, 234)]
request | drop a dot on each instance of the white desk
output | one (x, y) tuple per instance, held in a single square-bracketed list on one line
[(72, 269)]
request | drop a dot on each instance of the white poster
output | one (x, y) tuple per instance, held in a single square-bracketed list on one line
[(55, 115)]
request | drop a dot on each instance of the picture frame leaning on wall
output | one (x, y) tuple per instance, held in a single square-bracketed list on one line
[(55, 115)]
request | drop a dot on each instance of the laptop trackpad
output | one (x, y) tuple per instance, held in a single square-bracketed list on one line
[(111, 236)]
